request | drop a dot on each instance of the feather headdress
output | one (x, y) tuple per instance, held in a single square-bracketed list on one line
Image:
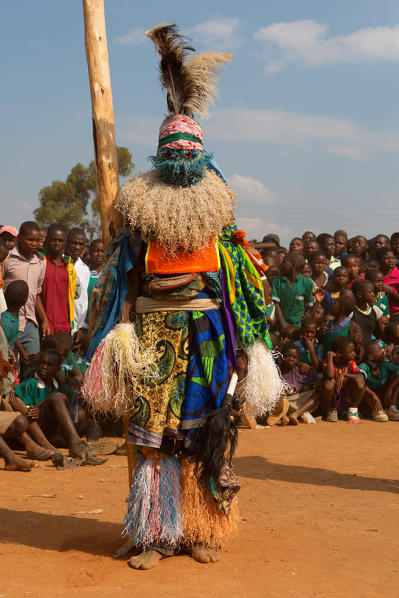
[(188, 80)]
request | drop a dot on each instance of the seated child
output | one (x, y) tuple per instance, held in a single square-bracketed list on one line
[(366, 314), (16, 295), (318, 313), (310, 351), (318, 264), (270, 307), (381, 298), (271, 274), (342, 324), (39, 400), (307, 271), (302, 395), (343, 382), (338, 282), (382, 378), (353, 264)]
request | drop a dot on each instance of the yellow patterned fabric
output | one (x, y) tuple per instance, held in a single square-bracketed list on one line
[(159, 409)]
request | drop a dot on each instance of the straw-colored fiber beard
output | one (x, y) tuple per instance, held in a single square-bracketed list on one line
[(178, 218)]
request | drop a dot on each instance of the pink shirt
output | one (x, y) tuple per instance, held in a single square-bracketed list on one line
[(17, 267), (392, 279)]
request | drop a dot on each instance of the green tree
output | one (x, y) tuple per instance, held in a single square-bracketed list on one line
[(74, 202)]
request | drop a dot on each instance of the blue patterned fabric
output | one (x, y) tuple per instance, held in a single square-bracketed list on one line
[(208, 370)]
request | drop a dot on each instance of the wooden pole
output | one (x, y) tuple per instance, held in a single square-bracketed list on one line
[(103, 132), (103, 116)]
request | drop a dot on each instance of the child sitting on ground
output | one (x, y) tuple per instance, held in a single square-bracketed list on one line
[(343, 382), (342, 324), (338, 282), (39, 400), (381, 298), (382, 378), (301, 393), (310, 352), (366, 314)]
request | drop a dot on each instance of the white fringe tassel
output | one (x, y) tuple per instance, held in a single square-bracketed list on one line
[(118, 371), (263, 385)]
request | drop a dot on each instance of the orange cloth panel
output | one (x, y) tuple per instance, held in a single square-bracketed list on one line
[(202, 260)]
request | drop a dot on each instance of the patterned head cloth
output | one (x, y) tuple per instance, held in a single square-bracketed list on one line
[(181, 132)]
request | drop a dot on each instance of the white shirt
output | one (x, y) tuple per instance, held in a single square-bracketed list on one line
[(81, 302)]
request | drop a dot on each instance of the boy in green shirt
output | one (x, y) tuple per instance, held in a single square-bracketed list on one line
[(39, 400), (382, 377), (292, 292)]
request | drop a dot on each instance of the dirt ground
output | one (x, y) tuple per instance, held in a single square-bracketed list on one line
[(319, 507)]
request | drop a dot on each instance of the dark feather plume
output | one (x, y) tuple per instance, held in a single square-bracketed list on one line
[(188, 80), (173, 48)]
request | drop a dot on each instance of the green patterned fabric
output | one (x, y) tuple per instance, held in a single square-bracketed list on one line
[(245, 290)]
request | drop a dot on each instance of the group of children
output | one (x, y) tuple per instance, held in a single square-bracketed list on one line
[(333, 314), (41, 406)]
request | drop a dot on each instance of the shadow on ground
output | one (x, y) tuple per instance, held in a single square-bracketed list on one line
[(259, 468), (59, 532)]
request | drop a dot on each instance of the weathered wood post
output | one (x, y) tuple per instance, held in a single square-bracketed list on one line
[(103, 116), (103, 132)]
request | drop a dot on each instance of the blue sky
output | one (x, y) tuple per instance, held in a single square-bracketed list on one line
[(306, 125)]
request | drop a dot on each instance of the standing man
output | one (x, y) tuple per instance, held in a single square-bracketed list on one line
[(59, 284), (76, 243), (24, 262)]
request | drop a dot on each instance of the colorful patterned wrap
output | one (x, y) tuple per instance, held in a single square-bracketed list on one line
[(245, 290)]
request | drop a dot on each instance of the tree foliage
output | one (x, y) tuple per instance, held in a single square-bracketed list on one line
[(74, 202)]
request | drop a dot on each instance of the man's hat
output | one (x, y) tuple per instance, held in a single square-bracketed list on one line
[(9, 229)]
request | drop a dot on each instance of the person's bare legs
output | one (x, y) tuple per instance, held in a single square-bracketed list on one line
[(38, 436), (327, 395), (145, 560), (309, 404), (203, 554), (356, 386), (12, 461)]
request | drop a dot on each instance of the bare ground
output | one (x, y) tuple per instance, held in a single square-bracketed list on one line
[(319, 508)]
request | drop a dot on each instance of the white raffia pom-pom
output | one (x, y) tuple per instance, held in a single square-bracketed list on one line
[(263, 385), (118, 370)]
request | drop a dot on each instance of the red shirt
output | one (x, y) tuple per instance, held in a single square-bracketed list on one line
[(55, 295), (350, 368)]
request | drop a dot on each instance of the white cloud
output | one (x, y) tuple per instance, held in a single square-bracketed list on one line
[(342, 137), (289, 131), (133, 37), (308, 43), (220, 33), (251, 190), (256, 228)]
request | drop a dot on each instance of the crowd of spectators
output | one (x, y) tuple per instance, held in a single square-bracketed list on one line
[(332, 311), (333, 314), (47, 278)]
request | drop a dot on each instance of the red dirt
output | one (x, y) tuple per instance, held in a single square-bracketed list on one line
[(319, 508)]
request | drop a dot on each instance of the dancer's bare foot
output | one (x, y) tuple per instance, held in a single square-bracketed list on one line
[(16, 463), (203, 554), (293, 419), (145, 560)]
